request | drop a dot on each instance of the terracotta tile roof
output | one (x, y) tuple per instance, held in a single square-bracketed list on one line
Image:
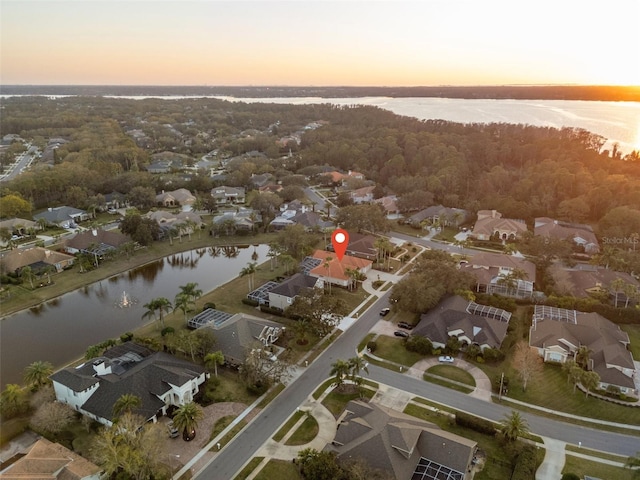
[(47, 460), (337, 268)]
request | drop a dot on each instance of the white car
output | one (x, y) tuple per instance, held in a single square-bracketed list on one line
[(445, 359)]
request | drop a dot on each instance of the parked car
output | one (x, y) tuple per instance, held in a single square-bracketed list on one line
[(173, 431), (445, 359), (384, 312), (405, 325), (400, 333)]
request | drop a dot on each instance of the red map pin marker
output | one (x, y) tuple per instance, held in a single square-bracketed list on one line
[(340, 241)]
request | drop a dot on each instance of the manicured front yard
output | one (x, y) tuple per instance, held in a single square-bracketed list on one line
[(634, 336), (582, 467), (305, 432), (336, 400), (392, 349), (279, 469), (453, 373)]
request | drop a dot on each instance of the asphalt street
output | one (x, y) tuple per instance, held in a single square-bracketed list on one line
[(229, 461)]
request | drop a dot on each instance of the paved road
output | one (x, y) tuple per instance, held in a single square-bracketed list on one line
[(320, 201), (227, 463), (22, 162), (435, 245)]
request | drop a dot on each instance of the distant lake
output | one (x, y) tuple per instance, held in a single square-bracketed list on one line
[(618, 122), (60, 330)]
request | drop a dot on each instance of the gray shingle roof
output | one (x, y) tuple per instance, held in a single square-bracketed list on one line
[(294, 285)]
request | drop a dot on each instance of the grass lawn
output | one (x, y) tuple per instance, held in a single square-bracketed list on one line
[(12, 428), (392, 349), (498, 464), (446, 383), (305, 432), (634, 335), (336, 401), (365, 340), (229, 436), (287, 426), (408, 230), (582, 467), (596, 453), (230, 388), (273, 393), (320, 348), (220, 425), (249, 467), (320, 390), (279, 469), (453, 373), (551, 390)]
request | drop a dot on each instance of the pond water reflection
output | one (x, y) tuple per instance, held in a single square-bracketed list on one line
[(61, 329)]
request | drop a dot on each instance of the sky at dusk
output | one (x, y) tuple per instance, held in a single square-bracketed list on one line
[(367, 43)]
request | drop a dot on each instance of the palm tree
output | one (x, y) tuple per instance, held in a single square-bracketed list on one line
[(5, 235), (590, 381), (215, 359), (42, 223), (513, 426), (630, 291), (12, 399), (327, 264), (171, 233), (339, 370), (186, 419), (287, 261), (616, 287), (582, 356), (191, 290), (182, 302), (48, 270), (161, 305), (575, 374), (249, 270), (566, 368), (356, 364), (38, 373), (126, 403), (27, 274)]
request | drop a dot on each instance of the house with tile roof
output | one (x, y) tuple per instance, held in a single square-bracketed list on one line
[(236, 335), (179, 197), (18, 226), (558, 333), (469, 322), (403, 446), (228, 195), (283, 295), (390, 205), (336, 271), (580, 234), (586, 280), (490, 224), (445, 215), (492, 272), (157, 378), (49, 461), (37, 258), (362, 195), (63, 217), (96, 241)]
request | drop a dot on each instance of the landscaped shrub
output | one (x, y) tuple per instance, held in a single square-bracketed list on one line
[(247, 301), (372, 345), (125, 337), (570, 476), (272, 310), (167, 330), (418, 344), (498, 301), (492, 355), (475, 423), (209, 305), (526, 465)]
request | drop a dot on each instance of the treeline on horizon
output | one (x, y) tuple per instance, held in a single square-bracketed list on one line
[(518, 92), (520, 170)]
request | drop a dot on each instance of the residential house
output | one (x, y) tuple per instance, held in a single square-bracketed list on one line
[(390, 206), (361, 246), (36, 258), (401, 445), (159, 166), (116, 200), (362, 195), (340, 178), (46, 460), (241, 332), (17, 227), (96, 242), (160, 380), (443, 216), (244, 220), (184, 222), (490, 224), (498, 273), (586, 280), (260, 180), (336, 271), (228, 195), (270, 188), (470, 322), (180, 197), (580, 234), (284, 294), (558, 333), (63, 217), (312, 221)]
